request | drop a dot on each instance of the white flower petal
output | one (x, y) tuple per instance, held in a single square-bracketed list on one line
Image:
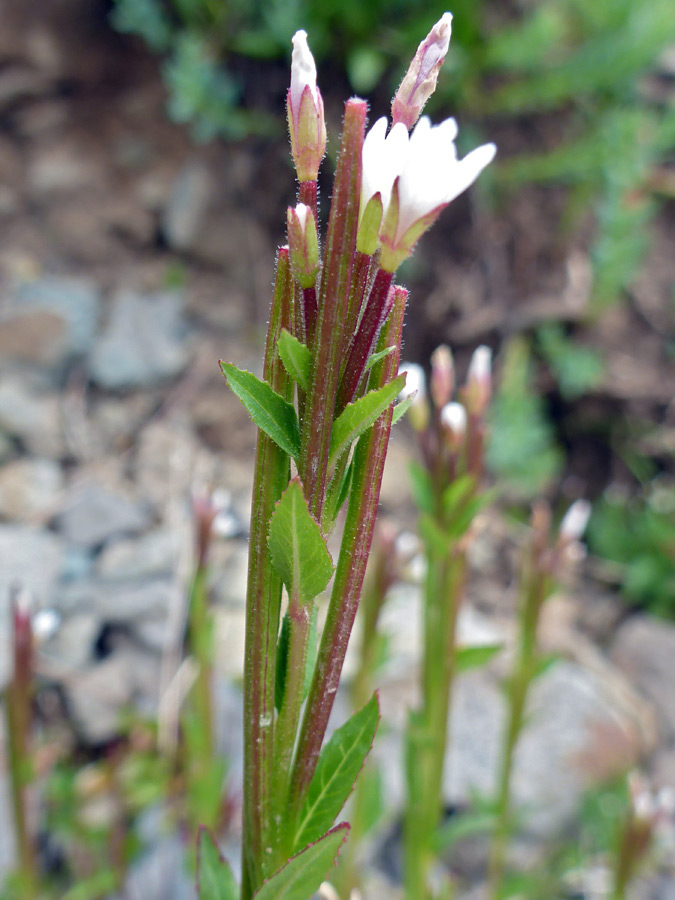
[(303, 70), (383, 159)]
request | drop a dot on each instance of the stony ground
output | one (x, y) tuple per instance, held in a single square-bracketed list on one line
[(130, 262)]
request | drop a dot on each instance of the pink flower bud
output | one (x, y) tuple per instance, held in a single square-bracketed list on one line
[(304, 104), (478, 387), (442, 376), (420, 80)]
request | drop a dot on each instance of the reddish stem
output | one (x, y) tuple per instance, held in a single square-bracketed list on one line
[(358, 534)]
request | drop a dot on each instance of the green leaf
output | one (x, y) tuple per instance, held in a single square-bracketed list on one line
[(302, 875), (360, 415), (464, 825), (270, 412), (339, 765), (376, 357), (457, 493), (402, 408), (475, 657), (296, 358), (215, 880), (298, 549), (422, 490)]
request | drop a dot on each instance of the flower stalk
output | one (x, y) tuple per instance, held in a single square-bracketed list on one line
[(324, 406)]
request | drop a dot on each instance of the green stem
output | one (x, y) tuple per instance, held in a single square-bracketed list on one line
[(518, 687), (201, 647), (357, 536), (263, 602), (287, 722)]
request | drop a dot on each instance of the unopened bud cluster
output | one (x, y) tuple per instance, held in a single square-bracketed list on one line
[(451, 431)]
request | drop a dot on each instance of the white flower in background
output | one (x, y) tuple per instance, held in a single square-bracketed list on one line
[(416, 177), (415, 387), (306, 122), (575, 521), (453, 417)]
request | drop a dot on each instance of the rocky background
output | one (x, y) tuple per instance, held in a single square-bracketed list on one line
[(130, 262)]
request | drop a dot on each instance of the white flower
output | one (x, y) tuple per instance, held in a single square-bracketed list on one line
[(433, 176), (416, 177), (416, 388), (415, 380), (384, 156), (575, 521), (453, 416)]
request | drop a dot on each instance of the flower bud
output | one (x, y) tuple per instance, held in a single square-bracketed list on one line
[(479, 381), (442, 376), (415, 385), (453, 422), (420, 80), (574, 522), (303, 243), (304, 104)]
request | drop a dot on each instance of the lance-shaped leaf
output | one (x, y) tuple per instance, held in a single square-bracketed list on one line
[(338, 767), (215, 880), (376, 357), (474, 657), (296, 358), (402, 408), (302, 875), (361, 414), (270, 412), (298, 549)]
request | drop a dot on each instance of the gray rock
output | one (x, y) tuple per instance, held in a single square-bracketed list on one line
[(578, 734), (29, 487), (29, 557), (97, 695), (143, 343), (33, 419), (91, 516), (644, 650), (161, 873), (188, 201), (74, 302), (121, 603), (151, 555), (73, 643)]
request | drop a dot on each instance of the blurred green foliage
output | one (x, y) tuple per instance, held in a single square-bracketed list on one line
[(638, 533), (521, 450)]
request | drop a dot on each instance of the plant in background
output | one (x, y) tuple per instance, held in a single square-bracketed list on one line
[(517, 415), (324, 409), (541, 566), (204, 769), (449, 493), (19, 712)]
